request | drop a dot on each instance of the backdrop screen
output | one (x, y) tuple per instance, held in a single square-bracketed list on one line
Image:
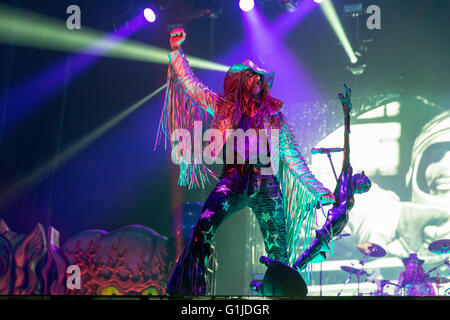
[(406, 154)]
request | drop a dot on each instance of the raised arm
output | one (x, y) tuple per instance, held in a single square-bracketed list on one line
[(191, 85), (346, 108), (184, 105)]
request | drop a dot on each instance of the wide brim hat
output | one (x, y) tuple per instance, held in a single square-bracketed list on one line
[(412, 257), (236, 70), (234, 74)]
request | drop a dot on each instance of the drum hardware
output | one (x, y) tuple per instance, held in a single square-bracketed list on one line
[(440, 246), (369, 250), (338, 237), (356, 272), (437, 279), (352, 271), (440, 265), (420, 284), (380, 286), (376, 251)]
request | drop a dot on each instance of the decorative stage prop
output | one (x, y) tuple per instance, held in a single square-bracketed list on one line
[(132, 260)]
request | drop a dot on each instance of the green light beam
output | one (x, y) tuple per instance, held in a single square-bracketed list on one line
[(13, 191), (330, 13), (18, 27)]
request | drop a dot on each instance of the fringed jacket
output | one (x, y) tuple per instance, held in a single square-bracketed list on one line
[(186, 101)]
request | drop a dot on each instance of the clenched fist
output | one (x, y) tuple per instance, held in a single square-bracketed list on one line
[(345, 100), (177, 37)]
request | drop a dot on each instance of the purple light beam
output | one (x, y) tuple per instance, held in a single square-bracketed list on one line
[(24, 99)]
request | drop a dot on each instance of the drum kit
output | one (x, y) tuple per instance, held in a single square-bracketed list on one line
[(441, 247)]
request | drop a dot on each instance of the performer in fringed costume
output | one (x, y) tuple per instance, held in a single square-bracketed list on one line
[(283, 201)]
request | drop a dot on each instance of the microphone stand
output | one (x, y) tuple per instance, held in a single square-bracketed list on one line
[(320, 278), (332, 167), (437, 283), (335, 176)]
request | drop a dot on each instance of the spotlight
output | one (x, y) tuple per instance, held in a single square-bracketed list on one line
[(246, 5), (353, 9), (149, 15), (357, 66), (289, 5), (318, 1)]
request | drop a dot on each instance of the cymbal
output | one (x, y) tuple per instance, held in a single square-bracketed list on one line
[(371, 249), (354, 271), (435, 280), (440, 246)]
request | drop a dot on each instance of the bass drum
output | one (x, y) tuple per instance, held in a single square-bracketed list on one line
[(417, 290), (392, 289), (389, 289)]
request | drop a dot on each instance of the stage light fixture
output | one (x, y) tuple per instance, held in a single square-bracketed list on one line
[(353, 9), (149, 15), (27, 29), (318, 1), (246, 5), (358, 67), (289, 5)]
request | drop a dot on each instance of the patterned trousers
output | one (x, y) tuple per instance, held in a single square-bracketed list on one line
[(240, 186)]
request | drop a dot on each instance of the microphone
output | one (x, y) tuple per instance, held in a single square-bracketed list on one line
[(340, 236), (325, 150)]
